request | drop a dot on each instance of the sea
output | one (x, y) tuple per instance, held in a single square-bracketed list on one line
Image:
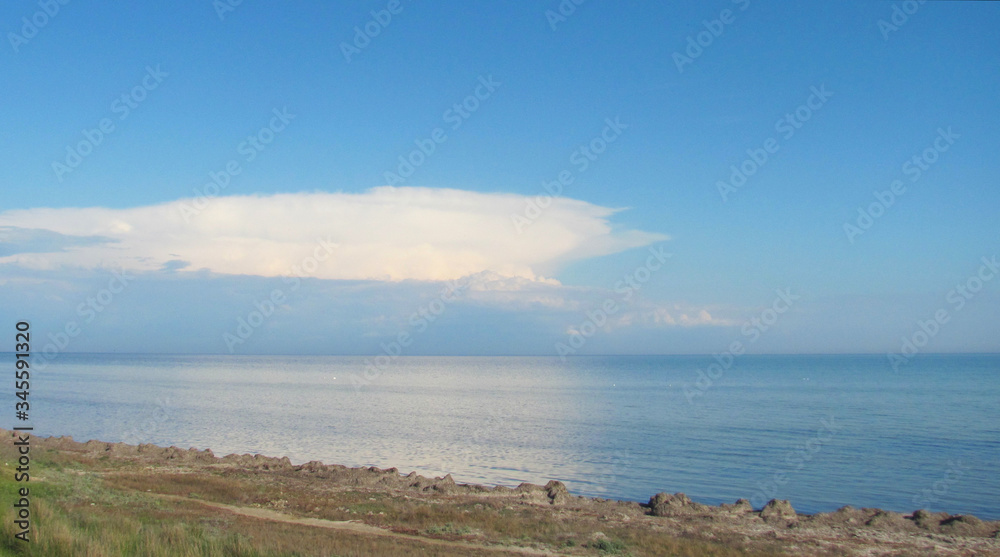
[(822, 431)]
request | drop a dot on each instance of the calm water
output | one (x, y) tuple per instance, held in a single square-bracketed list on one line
[(822, 431)]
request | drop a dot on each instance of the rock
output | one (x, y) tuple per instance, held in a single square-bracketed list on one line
[(845, 516), (271, 463), (778, 511), (965, 525), (928, 520), (122, 450), (888, 521), (557, 492), (96, 446), (741, 506), (312, 467), (445, 485), (664, 504), (526, 487), (502, 491)]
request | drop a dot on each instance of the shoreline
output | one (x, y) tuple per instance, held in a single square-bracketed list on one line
[(846, 531), (266, 462)]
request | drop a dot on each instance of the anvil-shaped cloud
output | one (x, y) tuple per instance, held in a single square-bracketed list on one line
[(385, 233)]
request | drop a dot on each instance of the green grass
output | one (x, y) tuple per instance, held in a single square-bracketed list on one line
[(80, 516), (608, 546), (449, 529)]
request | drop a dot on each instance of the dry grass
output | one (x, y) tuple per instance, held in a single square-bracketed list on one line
[(83, 506)]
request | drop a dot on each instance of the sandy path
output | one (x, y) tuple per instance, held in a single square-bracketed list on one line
[(348, 525)]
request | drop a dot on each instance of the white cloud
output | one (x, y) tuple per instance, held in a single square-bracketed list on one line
[(384, 233), (549, 296)]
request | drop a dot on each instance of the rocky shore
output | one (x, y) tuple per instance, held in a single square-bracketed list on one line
[(311, 491)]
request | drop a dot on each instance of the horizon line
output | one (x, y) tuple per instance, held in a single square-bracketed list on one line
[(368, 354)]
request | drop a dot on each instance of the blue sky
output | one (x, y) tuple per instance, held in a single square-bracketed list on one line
[(201, 84)]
